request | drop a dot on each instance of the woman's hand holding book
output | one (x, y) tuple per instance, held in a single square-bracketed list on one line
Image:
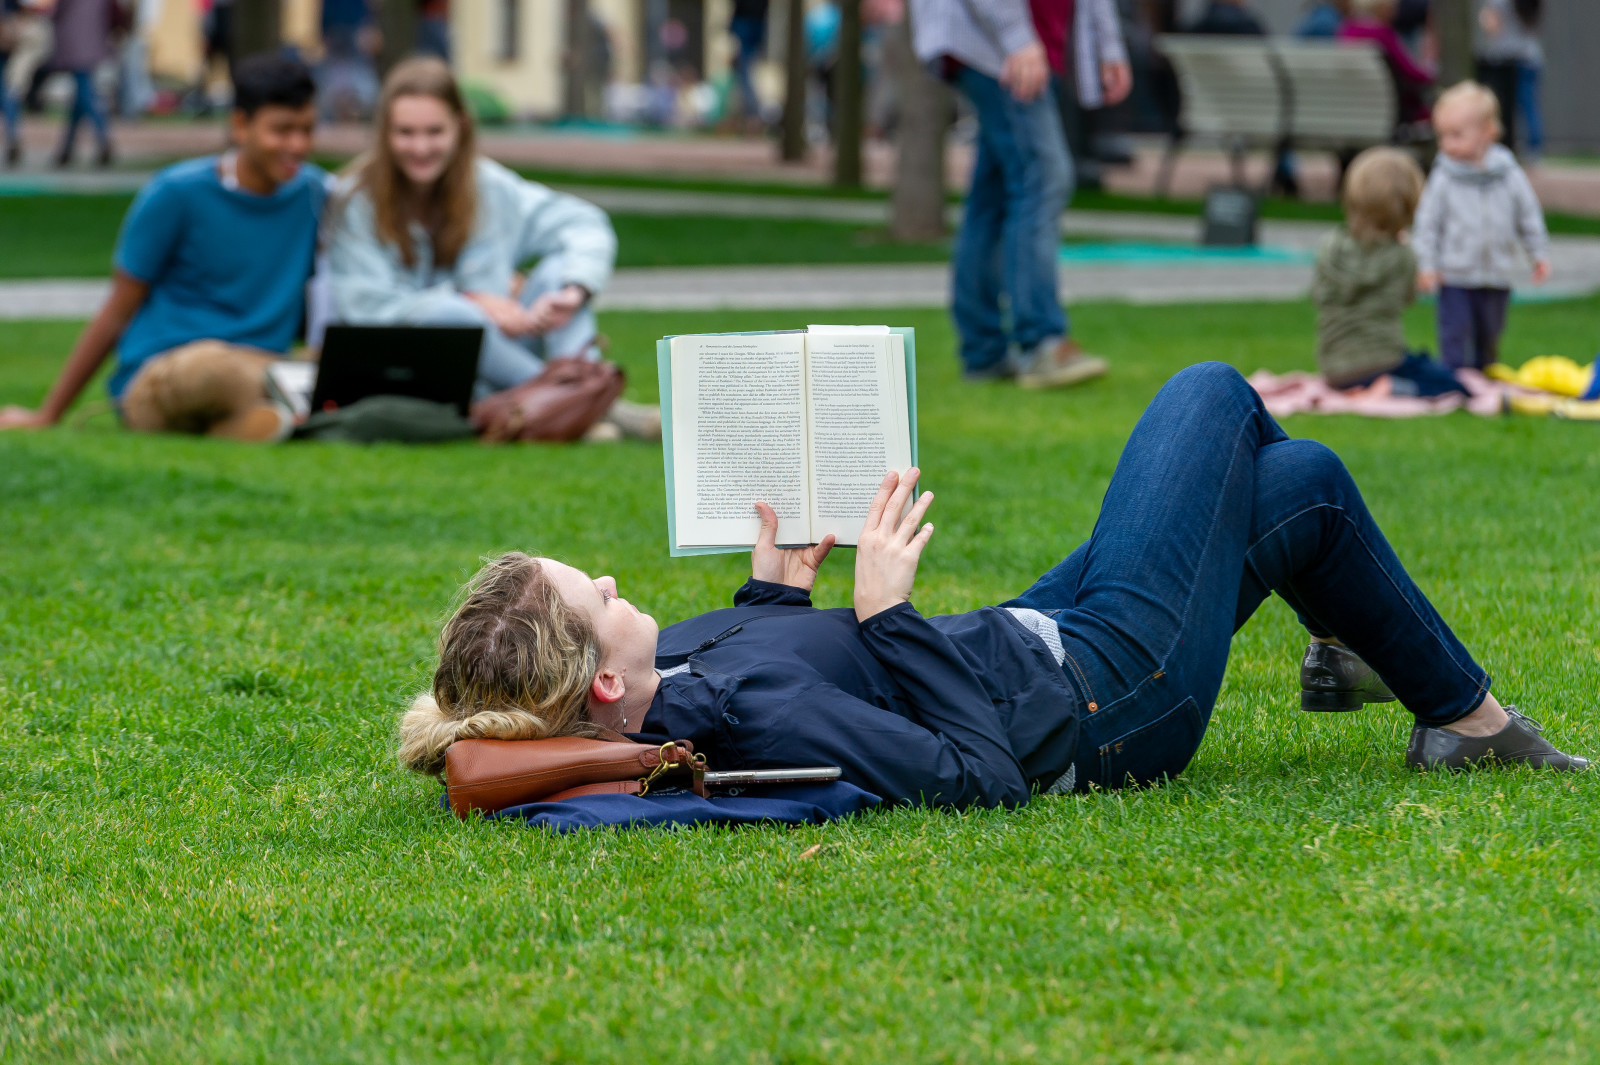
[(891, 545), (794, 566)]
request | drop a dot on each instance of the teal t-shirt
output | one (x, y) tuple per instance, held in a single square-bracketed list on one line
[(221, 263)]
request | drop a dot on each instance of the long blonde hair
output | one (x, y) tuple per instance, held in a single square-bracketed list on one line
[(451, 210), (515, 663)]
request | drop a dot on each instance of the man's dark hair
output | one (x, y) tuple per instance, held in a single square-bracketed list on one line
[(271, 78)]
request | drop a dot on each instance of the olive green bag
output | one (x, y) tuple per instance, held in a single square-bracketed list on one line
[(388, 419)]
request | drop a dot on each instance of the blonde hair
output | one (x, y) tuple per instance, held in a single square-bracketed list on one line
[(515, 663), (1381, 190), (1473, 94), (452, 207)]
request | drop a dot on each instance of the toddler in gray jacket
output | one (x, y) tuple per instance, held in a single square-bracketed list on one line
[(1477, 217)]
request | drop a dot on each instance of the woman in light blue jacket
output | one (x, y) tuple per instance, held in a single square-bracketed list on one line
[(424, 231)]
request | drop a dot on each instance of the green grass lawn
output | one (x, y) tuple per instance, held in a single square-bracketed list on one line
[(208, 852), (72, 236)]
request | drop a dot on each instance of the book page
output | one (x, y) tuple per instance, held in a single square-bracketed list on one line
[(859, 426), (739, 435)]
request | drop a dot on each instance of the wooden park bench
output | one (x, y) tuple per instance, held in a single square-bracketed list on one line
[(1281, 93)]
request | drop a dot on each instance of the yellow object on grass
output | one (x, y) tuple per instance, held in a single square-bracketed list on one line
[(1578, 410), (1555, 374)]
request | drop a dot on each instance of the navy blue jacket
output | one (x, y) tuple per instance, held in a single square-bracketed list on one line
[(956, 710)]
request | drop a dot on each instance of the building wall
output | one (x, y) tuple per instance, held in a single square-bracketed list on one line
[(531, 82), (528, 76), (1571, 38)]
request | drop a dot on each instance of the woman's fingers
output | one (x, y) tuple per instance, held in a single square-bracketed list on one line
[(908, 525), (820, 552), (880, 501), (897, 501)]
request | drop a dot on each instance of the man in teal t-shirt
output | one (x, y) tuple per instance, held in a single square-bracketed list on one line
[(210, 275)]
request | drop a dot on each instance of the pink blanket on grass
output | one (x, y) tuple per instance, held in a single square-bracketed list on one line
[(1307, 393)]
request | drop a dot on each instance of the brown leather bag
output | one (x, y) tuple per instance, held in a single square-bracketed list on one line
[(558, 405), (490, 775)]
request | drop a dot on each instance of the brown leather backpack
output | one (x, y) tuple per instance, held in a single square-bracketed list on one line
[(558, 405)]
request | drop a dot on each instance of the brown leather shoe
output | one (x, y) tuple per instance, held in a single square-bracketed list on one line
[(1520, 743), (1064, 364)]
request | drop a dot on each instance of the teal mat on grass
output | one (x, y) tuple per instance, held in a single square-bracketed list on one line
[(1128, 254)]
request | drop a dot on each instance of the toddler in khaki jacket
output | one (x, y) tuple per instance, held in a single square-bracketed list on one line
[(1366, 277)]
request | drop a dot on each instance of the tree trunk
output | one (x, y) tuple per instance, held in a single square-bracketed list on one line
[(917, 207), (792, 148), (397, 20), (257, 27), (576, 60), (847, 98), (1453, 23)]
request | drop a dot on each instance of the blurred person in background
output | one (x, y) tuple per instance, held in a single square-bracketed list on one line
[(10, 107), (27, 37), (1373, 20), (425, 231), (433, 28), (1000, 54), (216, 32), (1510, 61), (209, 276), (83, 42), (748, 27), (1228, 18), (1323, 19), (822, 56), (347, 79)]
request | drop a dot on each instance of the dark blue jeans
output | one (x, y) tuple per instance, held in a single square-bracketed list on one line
[(9, 109), (85, 105), (1011, 230), (751, 35), (1212, 508)]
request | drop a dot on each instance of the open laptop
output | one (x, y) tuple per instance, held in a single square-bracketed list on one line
[(438, 363)]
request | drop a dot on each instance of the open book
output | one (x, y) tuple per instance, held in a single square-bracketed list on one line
[(808, 422)]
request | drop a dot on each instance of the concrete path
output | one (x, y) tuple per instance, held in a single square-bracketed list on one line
[(1566, 185), (1144, 279), (1106, 270)]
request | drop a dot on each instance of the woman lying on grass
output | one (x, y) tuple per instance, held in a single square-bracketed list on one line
[(1102, 674)]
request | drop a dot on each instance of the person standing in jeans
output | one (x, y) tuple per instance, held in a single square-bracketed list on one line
[(83, 42), (999, 54), (748, 27)]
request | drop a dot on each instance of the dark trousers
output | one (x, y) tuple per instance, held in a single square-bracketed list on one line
[(1470, 323), (1212, 508)]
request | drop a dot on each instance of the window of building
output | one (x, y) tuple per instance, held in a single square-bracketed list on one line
[(508, 48)]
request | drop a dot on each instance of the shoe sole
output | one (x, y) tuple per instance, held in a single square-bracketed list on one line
[(1335, 702), (1066, 375)]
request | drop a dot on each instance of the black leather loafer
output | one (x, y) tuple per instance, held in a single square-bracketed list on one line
[(1334, 679), (1520, 743)]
